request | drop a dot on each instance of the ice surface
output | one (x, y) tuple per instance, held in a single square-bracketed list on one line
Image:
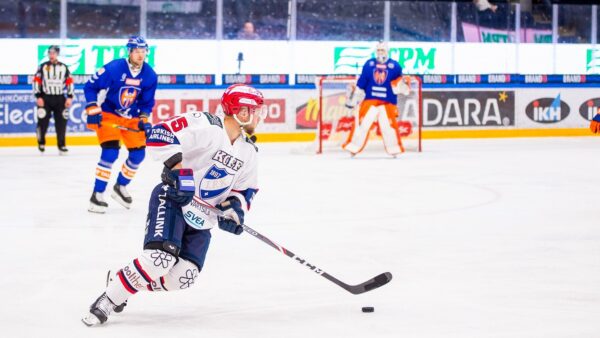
[(485, 238)]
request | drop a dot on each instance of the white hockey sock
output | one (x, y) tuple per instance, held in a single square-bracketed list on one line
[(180, 277), (139, 274)]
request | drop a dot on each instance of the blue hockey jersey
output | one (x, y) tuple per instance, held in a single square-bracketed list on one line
[(376, 79), (127, 95)]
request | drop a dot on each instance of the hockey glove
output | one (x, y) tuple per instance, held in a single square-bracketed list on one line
[(145, 126), (350, 96), (180, 184), (233, 215), (595, 124), (94, 116)]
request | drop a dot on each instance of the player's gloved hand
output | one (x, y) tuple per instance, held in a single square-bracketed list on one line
[(350, 96), (595, 124), (233, 215), (94, 116), (144, 125), (180, 184)]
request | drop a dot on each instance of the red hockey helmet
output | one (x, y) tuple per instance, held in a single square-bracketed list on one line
[(241, 95)]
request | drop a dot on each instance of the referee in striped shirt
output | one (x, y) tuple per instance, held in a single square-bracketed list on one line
[(49, 84)]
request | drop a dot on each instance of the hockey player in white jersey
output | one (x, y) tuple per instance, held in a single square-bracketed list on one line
[(208, 161)]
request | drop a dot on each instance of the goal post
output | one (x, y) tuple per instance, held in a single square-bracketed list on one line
[(335, 120)]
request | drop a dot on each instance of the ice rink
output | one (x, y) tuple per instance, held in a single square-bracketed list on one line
[(485, 238)]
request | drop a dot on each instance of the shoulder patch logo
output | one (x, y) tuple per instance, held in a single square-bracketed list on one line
[(214, 120)]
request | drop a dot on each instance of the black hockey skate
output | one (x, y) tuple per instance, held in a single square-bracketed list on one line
[(99, 311), (118, 308), (121, 195), (63, 151), (42, 148), (97, 203)]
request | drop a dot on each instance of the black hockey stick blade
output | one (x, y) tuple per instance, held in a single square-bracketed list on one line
[(371, 284), (367, 286)]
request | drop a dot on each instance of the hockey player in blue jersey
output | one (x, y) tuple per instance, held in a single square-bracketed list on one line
[(130, 85), (381, 80)]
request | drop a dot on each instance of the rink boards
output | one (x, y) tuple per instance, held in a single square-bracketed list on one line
[(449, 111)]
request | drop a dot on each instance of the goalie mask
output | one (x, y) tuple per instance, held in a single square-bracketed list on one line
[(241, 95), (382, 52)]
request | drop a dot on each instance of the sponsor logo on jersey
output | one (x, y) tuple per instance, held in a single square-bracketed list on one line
[(127, 96), (589, 108), (132, 82), (380, 75), (198, 215), (547, 110), (215, 182), (193, 219), (160, 213)]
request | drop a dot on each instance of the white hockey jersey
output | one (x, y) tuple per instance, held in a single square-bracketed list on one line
[(221, 169)]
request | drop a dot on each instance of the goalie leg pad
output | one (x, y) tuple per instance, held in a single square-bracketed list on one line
[(359, 134), (389, 130), (139, 274)]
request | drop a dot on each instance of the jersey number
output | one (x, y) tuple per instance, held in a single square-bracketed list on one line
[(178, 123)]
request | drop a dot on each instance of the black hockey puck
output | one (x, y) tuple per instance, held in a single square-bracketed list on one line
[(368, 309)]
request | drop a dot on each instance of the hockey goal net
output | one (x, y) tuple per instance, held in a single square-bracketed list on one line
[(335, 120)]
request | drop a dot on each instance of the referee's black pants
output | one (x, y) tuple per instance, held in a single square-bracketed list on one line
[(54, 105)]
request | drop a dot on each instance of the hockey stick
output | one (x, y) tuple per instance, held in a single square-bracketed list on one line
[(125, 128), (357, 289)]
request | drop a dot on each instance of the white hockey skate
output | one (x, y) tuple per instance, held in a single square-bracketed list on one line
[(97, 203), (99, 311), (121, 195)]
